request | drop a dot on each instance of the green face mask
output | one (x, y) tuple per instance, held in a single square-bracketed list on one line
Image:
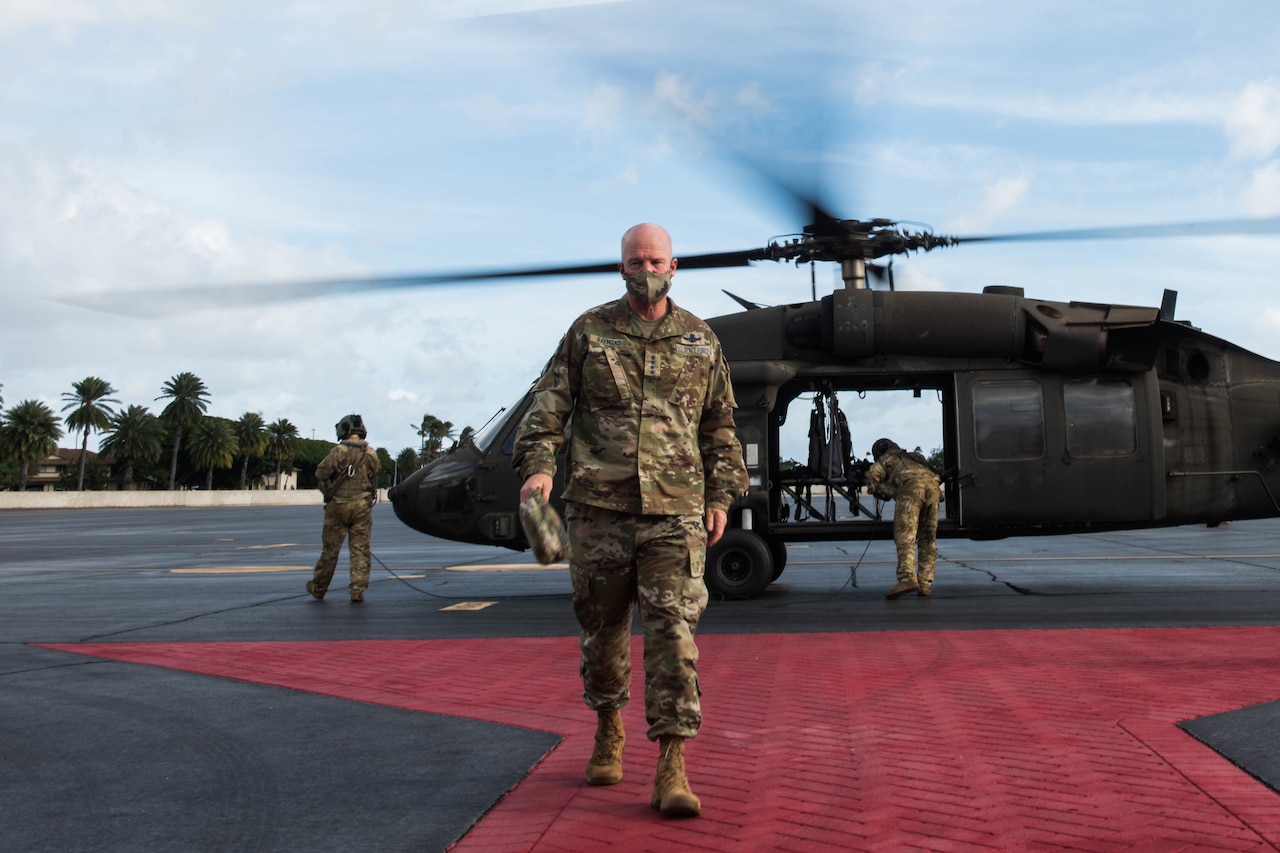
[(648, 287)]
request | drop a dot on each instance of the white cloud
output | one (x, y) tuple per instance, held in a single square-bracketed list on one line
[(998, 198), (1268, 323), (61, 16), (673, 93), (752, 99), (1252, 124), (397, 395), (1262, 196), (603, 109)]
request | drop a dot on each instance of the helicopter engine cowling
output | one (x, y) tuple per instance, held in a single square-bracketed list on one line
[(856, 324), (1001, 325)]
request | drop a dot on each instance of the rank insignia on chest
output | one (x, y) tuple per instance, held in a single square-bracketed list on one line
[(651, 365)]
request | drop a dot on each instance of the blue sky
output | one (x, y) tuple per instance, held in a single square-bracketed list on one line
[(159, 144)]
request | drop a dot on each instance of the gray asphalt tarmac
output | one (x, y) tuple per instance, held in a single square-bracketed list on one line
[(98, 755)]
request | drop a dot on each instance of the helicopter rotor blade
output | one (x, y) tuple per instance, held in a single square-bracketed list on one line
[(722, 260), (1211, 228), (167, 302)]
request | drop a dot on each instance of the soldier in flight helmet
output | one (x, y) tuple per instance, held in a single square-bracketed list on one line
[(350, 425), (881, 447), (907, 479), (348, 477)]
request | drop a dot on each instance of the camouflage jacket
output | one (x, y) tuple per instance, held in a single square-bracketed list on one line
[(349, 471), (652, 418), (897, 469)]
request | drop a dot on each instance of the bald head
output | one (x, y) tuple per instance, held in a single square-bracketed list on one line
[(646, 247)]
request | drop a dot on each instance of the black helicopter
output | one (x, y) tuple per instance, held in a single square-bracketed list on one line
[(1054, 417)]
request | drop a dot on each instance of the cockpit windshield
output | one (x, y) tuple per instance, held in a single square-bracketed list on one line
[(499, 424)]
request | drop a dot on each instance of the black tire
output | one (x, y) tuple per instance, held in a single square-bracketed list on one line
[(739, 565), (778, 551)]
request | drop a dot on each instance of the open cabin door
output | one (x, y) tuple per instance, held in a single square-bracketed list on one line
[(1047, 448)]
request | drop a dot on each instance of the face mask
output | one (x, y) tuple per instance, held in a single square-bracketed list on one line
[(647, 287)]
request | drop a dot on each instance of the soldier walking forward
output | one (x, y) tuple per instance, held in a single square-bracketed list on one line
[(653, 466)]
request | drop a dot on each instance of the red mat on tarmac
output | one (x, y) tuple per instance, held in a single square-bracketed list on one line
[(942, 740)]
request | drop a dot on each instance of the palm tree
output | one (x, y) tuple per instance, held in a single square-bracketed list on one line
[(251, 435), (90, 407), (423, 431), (433, 433), (188, 398), (30, 433), (133, 435), (406, 463), (466, 436), (282, 444), (213, 445)]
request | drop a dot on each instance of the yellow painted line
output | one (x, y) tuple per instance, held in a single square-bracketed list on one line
[(281, 545), (469, 605), (507, 567)]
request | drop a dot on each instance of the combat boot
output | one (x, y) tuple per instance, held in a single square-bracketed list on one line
[(925, 590), (902, 588), (605, 766), (318, 595), (671, 794)]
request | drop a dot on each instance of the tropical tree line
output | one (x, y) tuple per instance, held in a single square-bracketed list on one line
[(433, 433), (203, 450)]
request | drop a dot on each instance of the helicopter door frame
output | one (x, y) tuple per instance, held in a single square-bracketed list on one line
[(1042, 448), (781, 487)]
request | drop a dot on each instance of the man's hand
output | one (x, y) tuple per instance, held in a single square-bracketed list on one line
[(717, 522), (536, 483)]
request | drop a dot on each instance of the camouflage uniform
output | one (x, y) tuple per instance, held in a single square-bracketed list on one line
[(348, 477), (652, 447), (907, 479)]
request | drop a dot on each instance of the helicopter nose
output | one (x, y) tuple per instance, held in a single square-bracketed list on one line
[(438, 499)]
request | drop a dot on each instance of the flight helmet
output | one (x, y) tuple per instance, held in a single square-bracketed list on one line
[(350, 424), (883, 446)]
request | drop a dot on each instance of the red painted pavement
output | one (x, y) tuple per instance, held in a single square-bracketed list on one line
[(940, 740)]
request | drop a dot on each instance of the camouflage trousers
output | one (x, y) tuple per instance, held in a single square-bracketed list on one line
[(915, 525), (353, 518), (619, 560)]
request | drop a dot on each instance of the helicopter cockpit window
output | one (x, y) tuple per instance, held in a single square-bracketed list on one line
[(1008, 419), (1101, 417), (499, 426)]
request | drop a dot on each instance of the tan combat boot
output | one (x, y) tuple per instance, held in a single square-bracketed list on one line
[(671, 794), (605, 766), (902, 588)]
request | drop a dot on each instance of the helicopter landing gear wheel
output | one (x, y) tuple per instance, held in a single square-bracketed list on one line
[(739, 565), (778, 551)]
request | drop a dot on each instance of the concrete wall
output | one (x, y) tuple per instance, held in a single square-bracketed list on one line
[(91, 500)]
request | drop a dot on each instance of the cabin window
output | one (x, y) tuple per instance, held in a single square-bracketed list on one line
[(1101, 417), (1008, 419)]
